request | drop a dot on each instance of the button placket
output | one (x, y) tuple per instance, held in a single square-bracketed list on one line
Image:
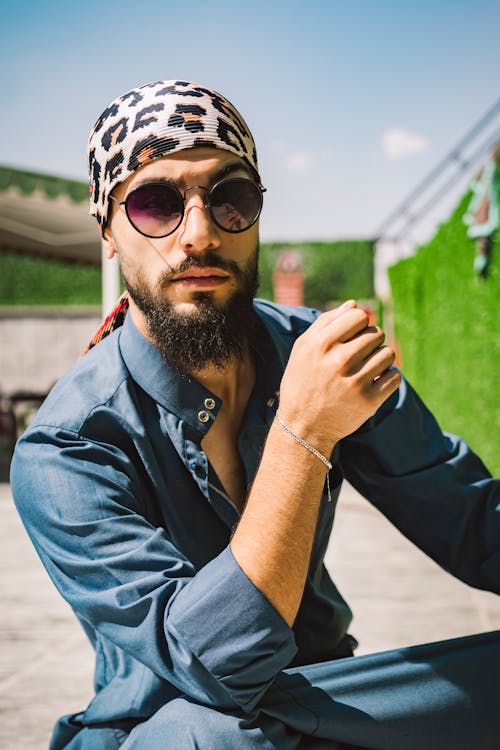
[(209, 404)]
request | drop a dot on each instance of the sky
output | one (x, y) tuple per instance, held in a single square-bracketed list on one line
[(351, 103)]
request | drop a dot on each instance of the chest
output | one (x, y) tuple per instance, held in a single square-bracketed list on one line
[(220, 446)]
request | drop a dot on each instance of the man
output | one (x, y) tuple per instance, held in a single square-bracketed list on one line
[(179, 483), (482, 212)]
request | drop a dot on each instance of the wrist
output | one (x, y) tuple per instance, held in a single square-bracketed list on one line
[(310, 448), (307, 430)]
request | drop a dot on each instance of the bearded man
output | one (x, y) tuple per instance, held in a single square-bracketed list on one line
[(180, 482)]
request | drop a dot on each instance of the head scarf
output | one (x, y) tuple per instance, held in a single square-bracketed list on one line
[(155, 120)]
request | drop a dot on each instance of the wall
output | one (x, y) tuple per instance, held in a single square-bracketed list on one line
[(38, 345), (447, 323)]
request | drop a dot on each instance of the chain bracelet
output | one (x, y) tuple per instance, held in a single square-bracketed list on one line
[(311, 449)]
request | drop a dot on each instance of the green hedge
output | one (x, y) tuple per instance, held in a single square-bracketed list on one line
[(27, 280), (332, 270), (52, 186), (447, 324)]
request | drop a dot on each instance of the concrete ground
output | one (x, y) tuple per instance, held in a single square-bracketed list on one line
[(398, 595)]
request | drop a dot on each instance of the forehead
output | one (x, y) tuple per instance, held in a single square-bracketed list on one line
[(182, 167)]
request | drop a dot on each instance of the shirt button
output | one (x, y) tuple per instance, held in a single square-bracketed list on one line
[(203, 416), (209, 403), (196, 467)]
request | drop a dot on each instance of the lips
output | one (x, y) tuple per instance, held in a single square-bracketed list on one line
[(201, 274)]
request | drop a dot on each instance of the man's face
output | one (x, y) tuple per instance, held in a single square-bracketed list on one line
[(196, 281), (198, 238)]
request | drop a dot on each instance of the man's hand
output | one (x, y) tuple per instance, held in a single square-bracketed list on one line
[(337, 377)]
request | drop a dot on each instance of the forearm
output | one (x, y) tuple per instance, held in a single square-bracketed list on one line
[(337, 376), (273, 541)]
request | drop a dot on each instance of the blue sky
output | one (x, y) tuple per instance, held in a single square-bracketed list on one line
[(350, 103)]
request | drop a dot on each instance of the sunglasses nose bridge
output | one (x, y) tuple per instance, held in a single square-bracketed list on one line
[(197, 187)]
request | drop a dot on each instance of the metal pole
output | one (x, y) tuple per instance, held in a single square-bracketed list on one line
[(110, 273)]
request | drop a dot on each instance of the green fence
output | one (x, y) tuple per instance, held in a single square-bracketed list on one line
[(448, 326)]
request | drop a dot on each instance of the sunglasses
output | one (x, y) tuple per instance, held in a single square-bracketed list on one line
[(156, 209)]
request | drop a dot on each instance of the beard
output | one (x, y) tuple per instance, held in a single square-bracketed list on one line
[(214, 334)]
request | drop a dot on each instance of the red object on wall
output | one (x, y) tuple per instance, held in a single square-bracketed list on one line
[(288, 279)]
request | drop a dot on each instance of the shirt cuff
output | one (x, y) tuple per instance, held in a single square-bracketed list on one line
[(223, 619)]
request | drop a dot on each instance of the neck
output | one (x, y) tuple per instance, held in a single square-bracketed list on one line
[(139, 319), (231, 383)]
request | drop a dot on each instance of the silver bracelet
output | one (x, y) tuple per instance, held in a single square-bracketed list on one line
[(312, 450)]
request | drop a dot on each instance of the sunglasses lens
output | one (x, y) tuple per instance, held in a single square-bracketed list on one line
[(236, 204), (155, 210)]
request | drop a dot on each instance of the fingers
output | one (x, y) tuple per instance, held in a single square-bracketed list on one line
[(380, 361), (386, 383), (328, 317), (363, 344), (339, 325), (354, 348), (365, 359), (351, 324)]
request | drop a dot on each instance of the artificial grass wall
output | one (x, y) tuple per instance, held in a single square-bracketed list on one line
[(448, 327), (332, 271)]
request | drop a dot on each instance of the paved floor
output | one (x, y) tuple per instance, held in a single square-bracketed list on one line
[(398, 595)]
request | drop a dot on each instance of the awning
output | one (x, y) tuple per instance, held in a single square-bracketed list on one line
[(47, 215)]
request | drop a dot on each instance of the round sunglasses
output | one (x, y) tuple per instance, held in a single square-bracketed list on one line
[(156, 209)]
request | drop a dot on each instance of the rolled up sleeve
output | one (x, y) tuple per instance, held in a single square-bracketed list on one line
[(232, 630)]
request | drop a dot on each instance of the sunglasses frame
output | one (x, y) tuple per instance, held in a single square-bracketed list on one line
[(207, 204)]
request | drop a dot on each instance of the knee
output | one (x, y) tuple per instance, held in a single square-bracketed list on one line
[(185, 726), (189, 726)]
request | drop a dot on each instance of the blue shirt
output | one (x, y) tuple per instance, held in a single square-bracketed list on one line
[(133, 524)]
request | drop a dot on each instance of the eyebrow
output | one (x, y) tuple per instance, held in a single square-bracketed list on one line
[(227, 169), (234, 166)]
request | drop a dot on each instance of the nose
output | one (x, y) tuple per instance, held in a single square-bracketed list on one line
[(198, 233)]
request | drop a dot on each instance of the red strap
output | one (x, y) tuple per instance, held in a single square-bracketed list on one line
[(113, 321)]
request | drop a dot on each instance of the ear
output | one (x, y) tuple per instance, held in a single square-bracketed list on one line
[(109, 243)]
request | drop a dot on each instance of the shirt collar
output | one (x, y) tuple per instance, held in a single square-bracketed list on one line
[(179, 393)]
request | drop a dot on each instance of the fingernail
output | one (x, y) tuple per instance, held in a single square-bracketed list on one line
[(347, 304)]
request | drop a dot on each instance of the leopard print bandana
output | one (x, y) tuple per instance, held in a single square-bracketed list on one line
[(155, 120)]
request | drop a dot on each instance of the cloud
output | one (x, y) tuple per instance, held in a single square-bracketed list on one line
[(298, 161), (399, 144), (277, 147)]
